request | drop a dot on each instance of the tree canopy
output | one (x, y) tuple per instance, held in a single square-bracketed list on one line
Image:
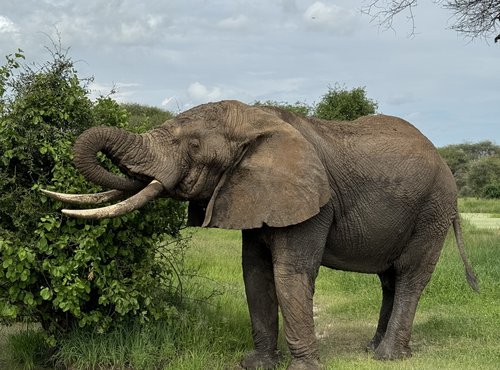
[(476, 167)]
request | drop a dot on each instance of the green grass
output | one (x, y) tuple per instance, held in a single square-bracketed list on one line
[(479, 205), (483, 220), (454, 327), (25, 347)]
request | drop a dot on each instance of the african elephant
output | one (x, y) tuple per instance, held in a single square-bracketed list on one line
[(371, 196)]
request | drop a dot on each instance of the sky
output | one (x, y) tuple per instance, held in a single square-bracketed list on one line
[(179, 54)]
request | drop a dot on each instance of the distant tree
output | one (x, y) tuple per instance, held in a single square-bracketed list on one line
[(484, 177), (342, 104), (474, 166), (459, 155), (142, 117), (474, 18), (300, 108), (492, 191)]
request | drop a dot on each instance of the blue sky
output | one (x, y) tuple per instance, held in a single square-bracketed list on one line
[(178, 54)]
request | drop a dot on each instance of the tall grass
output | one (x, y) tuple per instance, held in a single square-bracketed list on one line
[(454, 327), (26, 350), (479, 205)]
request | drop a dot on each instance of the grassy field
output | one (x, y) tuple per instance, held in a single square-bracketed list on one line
[(481, 213), (478, 205), (483, 220), (454, 327)]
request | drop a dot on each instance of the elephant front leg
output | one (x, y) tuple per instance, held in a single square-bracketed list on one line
[(295, 295), (262, 303)]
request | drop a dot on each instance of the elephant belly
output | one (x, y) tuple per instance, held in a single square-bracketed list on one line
[(364, 246), (355, 263)]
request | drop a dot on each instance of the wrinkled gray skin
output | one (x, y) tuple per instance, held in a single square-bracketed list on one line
[(370, 196)]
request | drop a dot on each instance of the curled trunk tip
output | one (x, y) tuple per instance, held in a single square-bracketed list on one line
[(113, 142)]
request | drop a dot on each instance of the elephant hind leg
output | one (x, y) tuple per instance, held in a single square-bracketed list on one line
[(413, 271), (388, 282)]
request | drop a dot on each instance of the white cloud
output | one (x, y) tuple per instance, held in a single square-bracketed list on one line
[(330, 17), (200, 93), (7, 26), (137, 30), (122, 91), (285, 50), (154, 21), (167, 100), (233, 23)]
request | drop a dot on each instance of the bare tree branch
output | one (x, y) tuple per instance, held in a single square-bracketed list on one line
[(474, 18), (383, 12)]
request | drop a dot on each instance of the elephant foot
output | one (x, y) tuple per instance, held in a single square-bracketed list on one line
[(304, 364), (374, 343), (260, 360), (385, 352)]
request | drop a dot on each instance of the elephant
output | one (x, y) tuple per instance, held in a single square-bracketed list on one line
[(370, 196)]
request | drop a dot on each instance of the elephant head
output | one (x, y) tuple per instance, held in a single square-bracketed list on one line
[(239, 166)]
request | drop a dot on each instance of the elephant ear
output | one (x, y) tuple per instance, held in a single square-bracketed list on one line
[(278, 181)]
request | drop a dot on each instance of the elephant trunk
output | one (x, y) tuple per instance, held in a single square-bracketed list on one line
[(114, 143), (138, 155)]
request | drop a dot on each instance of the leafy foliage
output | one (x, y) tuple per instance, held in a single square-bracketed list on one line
[(300, 108), (342, 104), (61, 271), (476, 167), (142, 118), (484, 177), (338, 103)]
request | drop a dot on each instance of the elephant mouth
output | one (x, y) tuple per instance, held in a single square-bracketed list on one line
[(136, 201), (191, 186)]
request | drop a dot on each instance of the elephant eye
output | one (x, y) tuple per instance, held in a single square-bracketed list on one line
[(194, 144)]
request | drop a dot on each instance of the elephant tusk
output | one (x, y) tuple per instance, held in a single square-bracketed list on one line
[(96, 198), (128, 205)]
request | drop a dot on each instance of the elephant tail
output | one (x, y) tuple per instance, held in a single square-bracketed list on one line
[(471, 277)]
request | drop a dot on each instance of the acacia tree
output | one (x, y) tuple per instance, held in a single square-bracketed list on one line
[(473, 18)]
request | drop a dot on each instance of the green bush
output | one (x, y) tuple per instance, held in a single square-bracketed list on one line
[(300, 108), (344, 105), (57, 270), (142, 118), (492, 191)]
